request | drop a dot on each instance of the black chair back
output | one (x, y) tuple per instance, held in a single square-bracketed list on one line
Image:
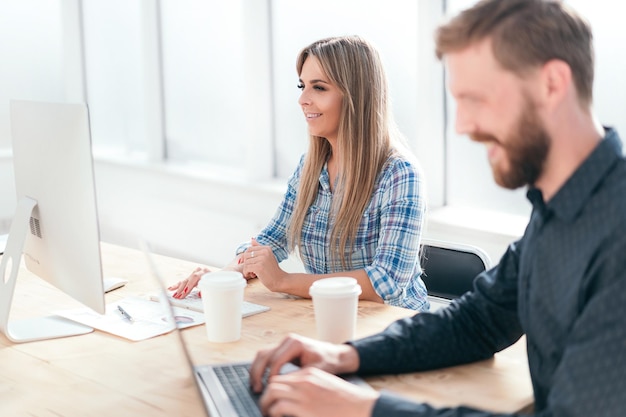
[(449, 269)]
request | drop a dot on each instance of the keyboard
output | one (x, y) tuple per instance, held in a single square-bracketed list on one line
[(194, 302), (235, 379)]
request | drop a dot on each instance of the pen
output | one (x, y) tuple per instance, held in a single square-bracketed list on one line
[(125, 314)]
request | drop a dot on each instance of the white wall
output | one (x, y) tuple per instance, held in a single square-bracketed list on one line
[(205, 219), (200, 219)]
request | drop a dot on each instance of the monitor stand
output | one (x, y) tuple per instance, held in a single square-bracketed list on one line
[(39, 328)]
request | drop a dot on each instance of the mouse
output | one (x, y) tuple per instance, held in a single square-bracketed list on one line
[(113, 283)]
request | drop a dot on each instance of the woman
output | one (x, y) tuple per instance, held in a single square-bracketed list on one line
[(354, 205)]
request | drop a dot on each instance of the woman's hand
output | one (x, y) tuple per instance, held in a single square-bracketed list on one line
[(259, 261), (183, 288)]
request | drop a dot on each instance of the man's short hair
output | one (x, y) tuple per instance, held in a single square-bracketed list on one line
[(525, 34)]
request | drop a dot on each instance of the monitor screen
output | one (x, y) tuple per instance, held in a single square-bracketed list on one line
[(55, 228)]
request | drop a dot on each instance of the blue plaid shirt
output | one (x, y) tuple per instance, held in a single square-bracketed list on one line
[(387, 241)]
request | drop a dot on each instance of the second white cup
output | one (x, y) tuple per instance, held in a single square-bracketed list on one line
[(335, 302), (222, 298)]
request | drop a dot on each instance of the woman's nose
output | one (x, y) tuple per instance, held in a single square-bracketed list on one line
[(304, 99)]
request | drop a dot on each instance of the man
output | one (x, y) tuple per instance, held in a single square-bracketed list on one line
[(521, 72)]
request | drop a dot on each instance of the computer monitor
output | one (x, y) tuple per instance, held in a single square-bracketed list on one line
[(55, 228)]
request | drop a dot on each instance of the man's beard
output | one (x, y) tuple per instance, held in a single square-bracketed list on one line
[(526, 149)]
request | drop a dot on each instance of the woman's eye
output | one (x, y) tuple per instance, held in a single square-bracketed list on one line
[(300, 86)]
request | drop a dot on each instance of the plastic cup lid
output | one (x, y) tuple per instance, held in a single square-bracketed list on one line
[(222, 280), (335, 286)]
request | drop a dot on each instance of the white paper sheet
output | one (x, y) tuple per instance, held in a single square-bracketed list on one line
[(149, 318)]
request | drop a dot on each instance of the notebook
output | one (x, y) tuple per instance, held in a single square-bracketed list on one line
[(193, 301), (224, 388)]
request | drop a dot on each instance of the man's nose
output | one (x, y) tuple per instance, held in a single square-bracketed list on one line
[(464, 123)]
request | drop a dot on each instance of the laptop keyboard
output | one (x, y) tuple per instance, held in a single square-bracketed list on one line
[(236, 382)]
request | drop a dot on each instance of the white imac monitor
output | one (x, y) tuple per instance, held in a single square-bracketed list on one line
[(55, 228)]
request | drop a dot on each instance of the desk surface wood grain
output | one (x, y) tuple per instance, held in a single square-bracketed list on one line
[(100, 374)]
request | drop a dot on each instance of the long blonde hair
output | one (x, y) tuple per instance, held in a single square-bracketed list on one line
[(364, 139)]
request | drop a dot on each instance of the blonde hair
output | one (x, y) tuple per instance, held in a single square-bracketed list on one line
[(364, 139)]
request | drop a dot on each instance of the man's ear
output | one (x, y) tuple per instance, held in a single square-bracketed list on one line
[(557, 82)]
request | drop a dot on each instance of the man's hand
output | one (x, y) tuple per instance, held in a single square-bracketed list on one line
[(312, 392), (304, 352)]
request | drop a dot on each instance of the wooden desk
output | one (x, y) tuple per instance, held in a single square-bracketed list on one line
[(101, 374)]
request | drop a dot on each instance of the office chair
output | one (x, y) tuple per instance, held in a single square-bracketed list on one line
[(449, 268)]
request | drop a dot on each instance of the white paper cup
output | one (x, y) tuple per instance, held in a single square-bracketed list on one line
[(335, 301), (222, 298)]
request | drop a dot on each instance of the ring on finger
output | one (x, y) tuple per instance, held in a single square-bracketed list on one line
[(252, 254)]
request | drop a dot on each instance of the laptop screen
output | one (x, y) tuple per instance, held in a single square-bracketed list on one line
[(177, 360)]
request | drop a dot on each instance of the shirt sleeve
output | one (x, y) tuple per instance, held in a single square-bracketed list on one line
[(401, 219), (391, 405), (588, 382), (589, 379), (275, 233), (471, 328)]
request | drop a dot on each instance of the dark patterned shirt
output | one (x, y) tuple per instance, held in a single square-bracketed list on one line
[(563, 284)]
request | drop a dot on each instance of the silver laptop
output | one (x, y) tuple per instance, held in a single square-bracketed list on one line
[(224, 388)]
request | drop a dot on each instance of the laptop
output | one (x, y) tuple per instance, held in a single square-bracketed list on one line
[(437, 303), (224, 388), (193, 301)]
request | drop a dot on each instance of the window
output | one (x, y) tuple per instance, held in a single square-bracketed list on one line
[(204, 81), (203, 84), (32, 56), (469, 182), (468, 176), (297, 24), (224, 75), (32, 69), (609, 39), (114, 51)]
